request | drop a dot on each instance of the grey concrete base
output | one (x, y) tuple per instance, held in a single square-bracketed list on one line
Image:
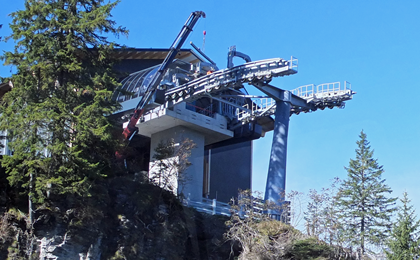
[(193, 188), (214, 128)]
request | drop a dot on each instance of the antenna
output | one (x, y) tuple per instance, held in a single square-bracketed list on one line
[(203, 48)]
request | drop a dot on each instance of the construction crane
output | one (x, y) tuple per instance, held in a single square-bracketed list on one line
[(131, 128)]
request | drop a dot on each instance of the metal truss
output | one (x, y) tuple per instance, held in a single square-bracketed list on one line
[(305, 99), (317, 97), (233, 78)]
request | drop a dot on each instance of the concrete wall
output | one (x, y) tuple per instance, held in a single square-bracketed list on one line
[(193, 188), (230, 170)]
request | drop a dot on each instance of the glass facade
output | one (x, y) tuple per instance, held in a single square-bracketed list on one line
[(136, 84)]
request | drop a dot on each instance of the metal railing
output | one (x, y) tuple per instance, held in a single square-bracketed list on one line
[(229, 110), (259, 208), (258, 107), (210, 206), (318, 96), (323, 90), (293, 63), (203, 111)]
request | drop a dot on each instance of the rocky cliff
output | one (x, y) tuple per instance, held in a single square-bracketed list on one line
[(125, 219)]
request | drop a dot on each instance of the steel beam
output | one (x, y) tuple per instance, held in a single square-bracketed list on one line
[(284, 95), (276, 178)]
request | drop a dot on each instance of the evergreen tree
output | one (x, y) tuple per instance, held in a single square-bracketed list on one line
[(404, 243), (56, 113), (365, 208)]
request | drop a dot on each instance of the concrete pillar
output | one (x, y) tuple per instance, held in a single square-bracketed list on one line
[(193, 188), (276, 178)]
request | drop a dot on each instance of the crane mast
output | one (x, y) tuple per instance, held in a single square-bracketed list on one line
[(131, 128)]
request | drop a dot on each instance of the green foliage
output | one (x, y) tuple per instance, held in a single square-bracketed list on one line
[(259, 236), (404, 243), (55, 114), (310, 248), (365, 208)]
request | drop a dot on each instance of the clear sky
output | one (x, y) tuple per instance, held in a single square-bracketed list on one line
[(375, 45)]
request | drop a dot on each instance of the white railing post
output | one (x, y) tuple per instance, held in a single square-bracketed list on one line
[(213, 205)]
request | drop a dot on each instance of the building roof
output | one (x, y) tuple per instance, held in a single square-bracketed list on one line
[(187, 55)]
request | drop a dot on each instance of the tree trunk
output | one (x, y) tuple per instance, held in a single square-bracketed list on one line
[(30, 239), (362, 239), (30, 204)]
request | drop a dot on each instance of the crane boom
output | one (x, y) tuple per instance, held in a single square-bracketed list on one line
[(131, 128)]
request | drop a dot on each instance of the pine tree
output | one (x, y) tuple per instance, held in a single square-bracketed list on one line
[(56, 113), (366, 210), (404, 242)]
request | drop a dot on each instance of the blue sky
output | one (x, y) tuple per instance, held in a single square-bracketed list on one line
[(375, 45)]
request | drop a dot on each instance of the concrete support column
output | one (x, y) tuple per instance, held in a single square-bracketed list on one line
[(193, 187), (276, 178)]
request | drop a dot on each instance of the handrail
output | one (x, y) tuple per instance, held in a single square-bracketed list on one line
[(204, 111), (293, 63), (258, 108), (214, 207), (209, 206), (311, 91), (319, 96)]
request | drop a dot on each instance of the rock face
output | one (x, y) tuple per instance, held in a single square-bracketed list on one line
[(58, 247), (63, 235), (126, 220)]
